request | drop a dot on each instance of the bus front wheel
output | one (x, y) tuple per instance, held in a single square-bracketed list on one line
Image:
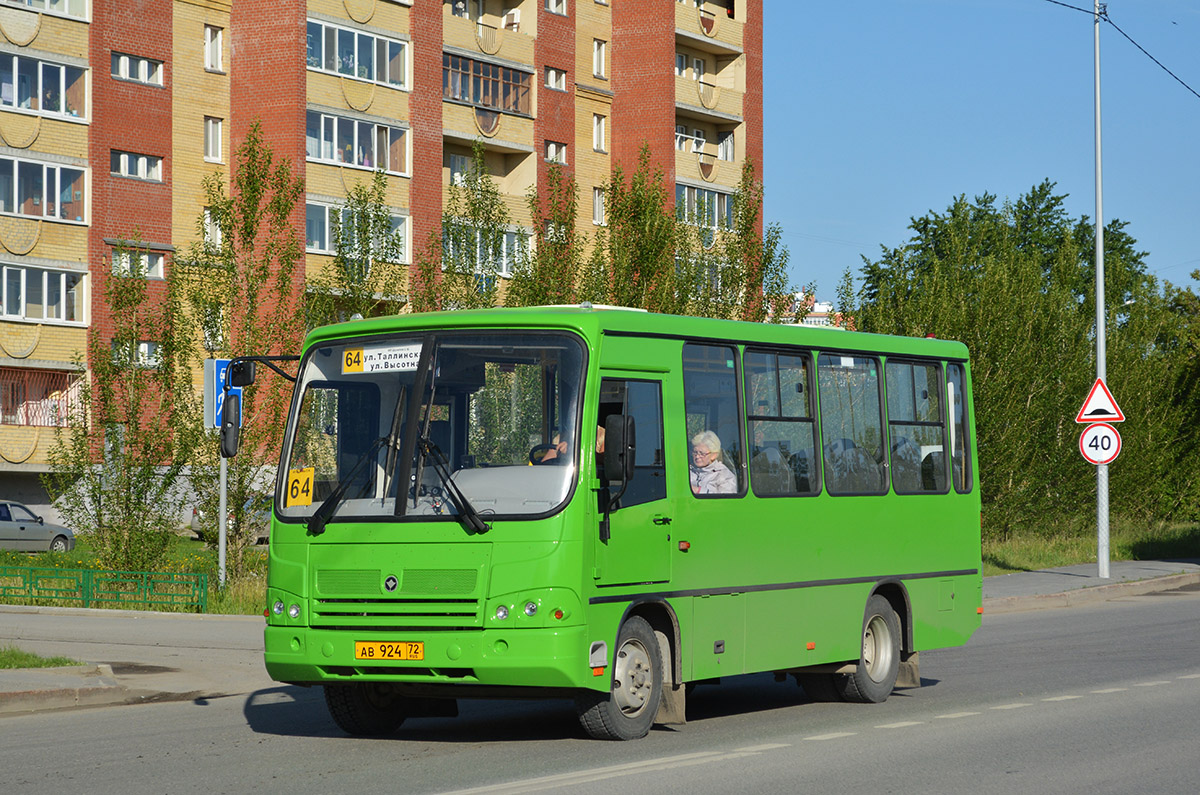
[(627, 711), (873, 680), (365, 709)]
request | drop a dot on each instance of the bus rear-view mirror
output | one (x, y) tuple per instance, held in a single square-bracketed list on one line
[(231, 424), (619, 447)]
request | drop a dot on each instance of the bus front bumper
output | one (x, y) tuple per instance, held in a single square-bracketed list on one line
[(546, 658)]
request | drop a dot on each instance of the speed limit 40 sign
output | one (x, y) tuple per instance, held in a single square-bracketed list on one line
[(1100, 443)]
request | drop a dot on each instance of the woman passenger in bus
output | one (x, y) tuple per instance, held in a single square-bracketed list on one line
[(709, 475)]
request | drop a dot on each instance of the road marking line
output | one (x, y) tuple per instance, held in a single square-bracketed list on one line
[(1190, 676), (1062, 698), (1012, 706), (1107, 690), (904, 724), (957, 715), (1151, 684), (598, 774), (832, 736), (754, 749)]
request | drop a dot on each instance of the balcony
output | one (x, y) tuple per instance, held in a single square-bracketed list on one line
[(707, 99), (708, 27), (502, 35)]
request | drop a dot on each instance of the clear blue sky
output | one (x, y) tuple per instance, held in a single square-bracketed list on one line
[(881, 110)]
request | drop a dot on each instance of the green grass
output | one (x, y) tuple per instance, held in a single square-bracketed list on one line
[(1031, 550), (245, 596), (12, 657)]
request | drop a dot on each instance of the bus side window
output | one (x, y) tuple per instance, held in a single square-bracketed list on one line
[(710, 396), (916, 427), (782, 448), (851, 424), (960, 461)]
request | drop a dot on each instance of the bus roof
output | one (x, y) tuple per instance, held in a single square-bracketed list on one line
[(592, 321)]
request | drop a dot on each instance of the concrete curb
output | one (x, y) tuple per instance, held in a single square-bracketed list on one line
[(1088, 595)]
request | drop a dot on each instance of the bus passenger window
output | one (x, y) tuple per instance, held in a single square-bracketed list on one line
[(782, 449), (916, 429), (710, 396), (851, 424), (960, 457)]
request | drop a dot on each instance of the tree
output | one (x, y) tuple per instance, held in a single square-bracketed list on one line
[(757, 263), (548, 273), (243, 284), (460, 265), (116, 468), (1014, 282), (366, 276)]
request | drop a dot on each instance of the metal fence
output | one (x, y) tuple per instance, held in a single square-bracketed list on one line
[(91, 588)]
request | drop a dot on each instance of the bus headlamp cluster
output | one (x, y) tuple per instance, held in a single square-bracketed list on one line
[(293, 610), (533, 609)]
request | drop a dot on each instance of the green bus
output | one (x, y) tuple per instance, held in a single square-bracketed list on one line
[(606, 504)]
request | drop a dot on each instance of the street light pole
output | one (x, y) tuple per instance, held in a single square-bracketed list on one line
[(1101, 354)]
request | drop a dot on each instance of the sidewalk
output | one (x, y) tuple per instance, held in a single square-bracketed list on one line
[(188, 657)]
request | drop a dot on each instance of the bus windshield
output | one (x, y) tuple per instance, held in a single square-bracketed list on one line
[(477, 423)]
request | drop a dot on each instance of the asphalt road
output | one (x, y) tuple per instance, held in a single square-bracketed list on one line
[(1094, 699)]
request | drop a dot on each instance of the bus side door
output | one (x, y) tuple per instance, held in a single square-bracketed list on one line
[(637, 549)]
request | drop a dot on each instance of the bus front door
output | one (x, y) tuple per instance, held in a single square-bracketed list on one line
[(637, 549)]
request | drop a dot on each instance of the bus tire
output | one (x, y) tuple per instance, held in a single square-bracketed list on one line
[(365, 709), (627, 711), (879, 663)]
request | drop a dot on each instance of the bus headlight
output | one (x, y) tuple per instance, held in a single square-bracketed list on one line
[(531, 609), (501, 612), (294, 611), (277, 608)]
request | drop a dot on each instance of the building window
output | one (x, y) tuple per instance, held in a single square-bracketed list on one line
[(557, 6), (681, 137), (598, 206), (556, 152), (508, 251), (212, 48), (212, 229), (697, 68), (680, 64), (142, 353), (318, 229), (147, 264), (599, 57), (556, 79), (355, 54), (725, 145), (704, 207), (598, 132), (212, 139), (41, 294), (130, 164), (485, 84), (66, 8), (37, 397), (41, 87), (41, 190), (140, 70), (460, 166), (350, 142)]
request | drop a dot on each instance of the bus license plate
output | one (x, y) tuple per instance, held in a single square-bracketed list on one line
[(402, 650)]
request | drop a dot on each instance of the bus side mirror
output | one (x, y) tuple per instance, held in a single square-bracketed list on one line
[(241, 373), (231, 425), (619, 448)]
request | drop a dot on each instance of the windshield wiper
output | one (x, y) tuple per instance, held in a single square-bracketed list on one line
[(462, 506), (321, 516)]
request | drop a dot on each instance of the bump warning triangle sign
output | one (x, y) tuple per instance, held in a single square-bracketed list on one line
[(1100, 406)]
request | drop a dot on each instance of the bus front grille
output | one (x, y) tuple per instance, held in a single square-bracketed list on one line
[(359, 614)]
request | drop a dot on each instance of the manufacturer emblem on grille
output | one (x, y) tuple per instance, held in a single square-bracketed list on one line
[(391, 582)]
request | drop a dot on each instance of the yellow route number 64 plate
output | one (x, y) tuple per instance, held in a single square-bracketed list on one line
[(299, 487), (400, 650)]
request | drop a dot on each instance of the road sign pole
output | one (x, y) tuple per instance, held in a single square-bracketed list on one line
[(1101, 354), (221, 518)]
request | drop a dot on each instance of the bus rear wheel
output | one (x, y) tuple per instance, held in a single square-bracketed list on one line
[(873, 680), (628, 710), (365, 709)]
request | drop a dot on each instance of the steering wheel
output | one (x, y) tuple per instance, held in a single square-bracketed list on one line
[(537, 454)]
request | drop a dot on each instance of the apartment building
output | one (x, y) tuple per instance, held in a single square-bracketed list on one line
[(112, 113)]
